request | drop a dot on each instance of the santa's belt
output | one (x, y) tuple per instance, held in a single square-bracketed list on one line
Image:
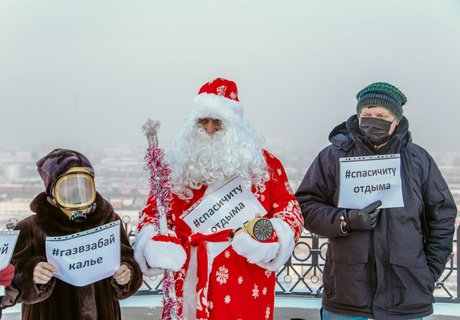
[(199, 240)]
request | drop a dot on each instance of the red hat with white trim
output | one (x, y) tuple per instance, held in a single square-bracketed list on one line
[(217, 99)]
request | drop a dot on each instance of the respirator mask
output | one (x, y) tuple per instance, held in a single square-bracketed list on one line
[(75, 193)]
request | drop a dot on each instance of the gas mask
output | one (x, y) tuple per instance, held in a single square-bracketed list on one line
[(376, 130), (260, 229), (75, 194)]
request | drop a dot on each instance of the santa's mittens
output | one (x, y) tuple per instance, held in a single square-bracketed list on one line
[(254, 251), (6, 275), (286, 242), (156, 256), (165, 252), (142, 237)]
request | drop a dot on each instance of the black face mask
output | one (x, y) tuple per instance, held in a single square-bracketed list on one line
[(376, 130)]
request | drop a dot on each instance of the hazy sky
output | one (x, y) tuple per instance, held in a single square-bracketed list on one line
[(88, 73)]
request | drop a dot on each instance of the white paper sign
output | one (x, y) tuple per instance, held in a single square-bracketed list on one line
[(7, 243), (228, 207), (364, 180), (86, 257)]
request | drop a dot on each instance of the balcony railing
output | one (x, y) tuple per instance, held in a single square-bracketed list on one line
[(302, 274)]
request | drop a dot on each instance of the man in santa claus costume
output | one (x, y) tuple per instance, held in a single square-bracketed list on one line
[(220, 274)]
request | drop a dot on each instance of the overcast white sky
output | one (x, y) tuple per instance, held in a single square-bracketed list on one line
[(88, 73)]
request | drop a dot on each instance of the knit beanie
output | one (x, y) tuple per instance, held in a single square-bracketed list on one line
[(56, 163), (382, 94)]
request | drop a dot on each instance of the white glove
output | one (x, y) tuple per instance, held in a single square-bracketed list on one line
[(268, 255), (155, 256), (254, 251)]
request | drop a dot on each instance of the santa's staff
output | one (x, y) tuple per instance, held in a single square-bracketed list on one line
[(160, 190)]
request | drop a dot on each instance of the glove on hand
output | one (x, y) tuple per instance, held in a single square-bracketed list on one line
[(267, 255), (6, 275), (363, 219), (155, 253), (165, 252), (253, 250)]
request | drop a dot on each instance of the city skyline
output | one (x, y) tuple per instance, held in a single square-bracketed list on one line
[(85, 75)]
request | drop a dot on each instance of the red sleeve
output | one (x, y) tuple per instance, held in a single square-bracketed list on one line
[(283, 203), (149, 215)]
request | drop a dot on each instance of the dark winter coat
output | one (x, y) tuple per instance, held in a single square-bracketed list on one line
[(57, 299), (388, 273)]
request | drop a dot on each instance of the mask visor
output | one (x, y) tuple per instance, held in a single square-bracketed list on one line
[(75, 191)]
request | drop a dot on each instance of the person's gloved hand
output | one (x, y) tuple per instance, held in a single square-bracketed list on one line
[(363, 219), (6, 275), (253, 250), (267, 255), (155, 253), (165, 252)]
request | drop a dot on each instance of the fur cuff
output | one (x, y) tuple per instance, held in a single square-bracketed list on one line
[(253, 250), (139, 247), (286, 241), (166, 255)]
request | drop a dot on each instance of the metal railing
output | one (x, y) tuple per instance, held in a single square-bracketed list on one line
[(302, 274)]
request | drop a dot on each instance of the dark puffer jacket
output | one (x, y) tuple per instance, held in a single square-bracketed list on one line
[(57, 299), (388, 273)]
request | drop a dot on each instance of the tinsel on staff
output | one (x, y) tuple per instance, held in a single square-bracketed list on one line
[(160, 190)]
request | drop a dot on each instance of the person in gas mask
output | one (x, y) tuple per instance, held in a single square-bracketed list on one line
[(70, 204), (380, 263)]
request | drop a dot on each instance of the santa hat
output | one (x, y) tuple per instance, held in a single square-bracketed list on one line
[(217, 99)]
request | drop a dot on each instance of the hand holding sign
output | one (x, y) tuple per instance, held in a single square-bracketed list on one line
[(122, 275), (43, 272), (363, 219), (254, 251), (7, 244), (6, 275), (255, 241)]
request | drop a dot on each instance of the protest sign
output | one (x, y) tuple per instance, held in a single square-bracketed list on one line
[(86, 257), (228, 207), (7, 243), (366, 179)]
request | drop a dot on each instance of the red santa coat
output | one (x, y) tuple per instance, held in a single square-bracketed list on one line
[(234, 288)]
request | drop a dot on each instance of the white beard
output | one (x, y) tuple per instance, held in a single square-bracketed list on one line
[(197, 158)]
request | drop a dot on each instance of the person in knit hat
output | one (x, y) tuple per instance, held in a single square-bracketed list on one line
[(380, 110), (70, 204), (221, 273), (386, 209), (384, 95)]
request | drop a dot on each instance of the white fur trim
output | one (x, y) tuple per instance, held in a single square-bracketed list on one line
[(253, 250), (142, 238), (218, 107), (164, 255), (286, 240), (189, 300)]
